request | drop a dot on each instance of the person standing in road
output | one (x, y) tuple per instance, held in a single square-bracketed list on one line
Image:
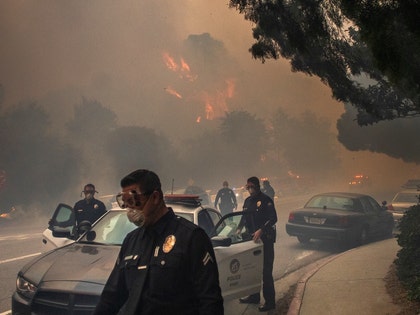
[(89, 208), (165, 266), (268, 189), (227, 199), (265, 218)]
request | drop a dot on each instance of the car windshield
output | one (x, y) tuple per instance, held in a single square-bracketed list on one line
[(407, 197), (331, 202), (111, 229)]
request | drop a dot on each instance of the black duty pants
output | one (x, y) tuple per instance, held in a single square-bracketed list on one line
[(268, 281)]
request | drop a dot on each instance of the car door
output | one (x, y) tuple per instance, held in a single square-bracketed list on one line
[(240, 260), (383, 218), (63, 221)]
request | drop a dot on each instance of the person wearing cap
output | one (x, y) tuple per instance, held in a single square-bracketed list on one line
[(89, 208), (265, 218), (165, 266), (227, 199)]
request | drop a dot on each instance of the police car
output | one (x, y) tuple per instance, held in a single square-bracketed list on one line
[(70, 279)]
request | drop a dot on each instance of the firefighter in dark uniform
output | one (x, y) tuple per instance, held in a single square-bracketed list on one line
[(165, 266), (89, 208), (227, 199), (265, 218)]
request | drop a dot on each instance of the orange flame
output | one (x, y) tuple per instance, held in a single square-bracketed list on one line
[(209, 112), (215, 103), (172, 91), (170, 62), (183, 69)]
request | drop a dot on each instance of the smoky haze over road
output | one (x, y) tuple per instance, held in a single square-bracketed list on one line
[(175, 69)]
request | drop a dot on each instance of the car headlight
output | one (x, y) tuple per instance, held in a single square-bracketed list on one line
[(25, 288)]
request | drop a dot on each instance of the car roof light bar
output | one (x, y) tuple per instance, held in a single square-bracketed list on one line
[(183, 199)]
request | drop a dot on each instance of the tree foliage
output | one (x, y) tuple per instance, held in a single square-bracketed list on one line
[(342, 42), (88, 132), (31, 156), (133, 147), (408, 261), (245, 134), (306, 143)]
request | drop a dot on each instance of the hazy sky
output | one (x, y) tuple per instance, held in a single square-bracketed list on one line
[(160, 64)]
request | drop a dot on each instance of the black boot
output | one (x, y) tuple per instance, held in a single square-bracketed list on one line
[(266, 307)]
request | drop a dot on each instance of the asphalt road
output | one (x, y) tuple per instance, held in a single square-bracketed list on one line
[(19, 243)]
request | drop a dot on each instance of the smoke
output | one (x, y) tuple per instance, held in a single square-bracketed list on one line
[(119, 53)]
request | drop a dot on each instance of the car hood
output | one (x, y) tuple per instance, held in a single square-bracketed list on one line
[(72, 265)]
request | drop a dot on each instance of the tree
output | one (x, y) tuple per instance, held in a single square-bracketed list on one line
[(88, 132), (132, 147), (245, 136), (306, 143), (31, 155), (343, 43)]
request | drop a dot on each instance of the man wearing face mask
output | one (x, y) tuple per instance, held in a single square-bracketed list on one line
[(265, 218), (165, 266), (89, 208)]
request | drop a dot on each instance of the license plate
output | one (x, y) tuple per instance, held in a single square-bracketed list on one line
[(316, 220)]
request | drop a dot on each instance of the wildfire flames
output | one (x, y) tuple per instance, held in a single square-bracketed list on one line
[(214, 102)]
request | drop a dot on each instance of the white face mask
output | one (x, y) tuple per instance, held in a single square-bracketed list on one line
[(251, 190), (135, 216)]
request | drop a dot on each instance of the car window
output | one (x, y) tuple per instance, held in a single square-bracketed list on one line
[(332, 202), (214, 215), (237, 226), (63, 215), (205, 221), (406, 197), (111, 229), (367, 205), (375, 205)]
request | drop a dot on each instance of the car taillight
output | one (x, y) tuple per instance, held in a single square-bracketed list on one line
[(344, 221), (390, 207), (291, 216)]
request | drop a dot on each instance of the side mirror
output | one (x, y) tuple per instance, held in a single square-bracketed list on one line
[(61, 232)]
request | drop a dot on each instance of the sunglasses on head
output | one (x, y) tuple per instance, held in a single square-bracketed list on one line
[(129, 199)]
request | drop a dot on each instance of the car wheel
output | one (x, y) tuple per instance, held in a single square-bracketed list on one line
[(304, 239)]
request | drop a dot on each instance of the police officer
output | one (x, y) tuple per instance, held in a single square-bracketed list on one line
[(268, 189), (165, 266), (89, 208), (265, 217), (227, 199)]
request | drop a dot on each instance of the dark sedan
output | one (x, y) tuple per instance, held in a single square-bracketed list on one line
[(349, 218)]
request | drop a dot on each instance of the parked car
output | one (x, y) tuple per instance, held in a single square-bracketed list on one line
[(187, 206), (350, 218), (70, 279), (402, 201), (412, 184)]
